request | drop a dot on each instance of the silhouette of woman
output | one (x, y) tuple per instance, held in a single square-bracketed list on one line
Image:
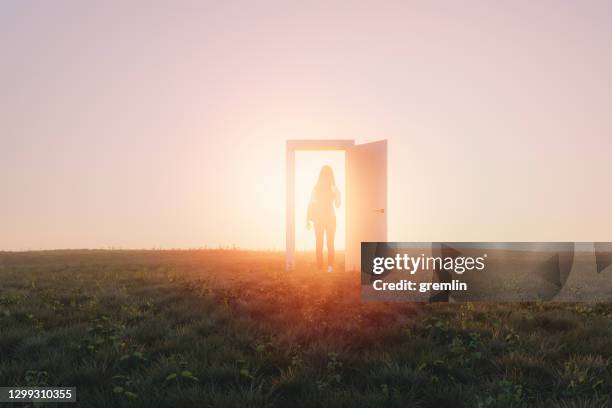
[(324, 197)]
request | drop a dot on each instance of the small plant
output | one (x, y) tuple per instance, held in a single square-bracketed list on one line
[(100, 333), (475, 344), (439, 329), (171, 275), (465, 312), (182, 375), (34, 378), (122, 391), (580, 379), (503, 394), (333, 368), (36, 322), (10, 299), (296, 360), (244, 370), (124, 383), (474, 340), (584, 310), (457, 347), (263, 347), (512, 338), (133, 360), (332, 372), (260, 347)]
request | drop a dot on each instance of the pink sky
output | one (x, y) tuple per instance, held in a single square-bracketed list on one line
[(164, 125)]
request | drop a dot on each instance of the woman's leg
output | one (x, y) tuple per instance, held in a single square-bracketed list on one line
[(319, 229), (331, 236)]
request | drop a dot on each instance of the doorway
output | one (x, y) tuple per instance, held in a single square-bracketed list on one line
[(366, 195)]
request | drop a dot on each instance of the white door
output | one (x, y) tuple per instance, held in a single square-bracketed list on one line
[(366, 199)]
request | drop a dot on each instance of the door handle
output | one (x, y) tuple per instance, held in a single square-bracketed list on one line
[(380, 210)]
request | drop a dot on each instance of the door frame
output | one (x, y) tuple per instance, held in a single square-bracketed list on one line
[(292, 147)]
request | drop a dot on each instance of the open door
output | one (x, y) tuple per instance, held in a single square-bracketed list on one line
[(366, 199)]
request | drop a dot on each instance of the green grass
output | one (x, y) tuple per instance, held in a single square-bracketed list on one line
[(231, 328)]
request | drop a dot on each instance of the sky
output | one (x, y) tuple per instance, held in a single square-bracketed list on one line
[(163, 124)]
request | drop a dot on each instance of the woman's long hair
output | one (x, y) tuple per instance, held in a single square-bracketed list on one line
[(326, 181)]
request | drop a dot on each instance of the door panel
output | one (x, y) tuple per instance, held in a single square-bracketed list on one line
[(366, 198)]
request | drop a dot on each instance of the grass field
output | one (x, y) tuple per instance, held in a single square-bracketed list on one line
[(232, 329)]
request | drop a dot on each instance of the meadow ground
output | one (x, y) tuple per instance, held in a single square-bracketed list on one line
[(232, 329)]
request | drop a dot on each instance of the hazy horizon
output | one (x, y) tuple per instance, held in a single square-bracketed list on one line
[(142, 125)]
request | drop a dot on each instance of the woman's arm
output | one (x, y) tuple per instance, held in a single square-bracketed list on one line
[(337, 201)]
